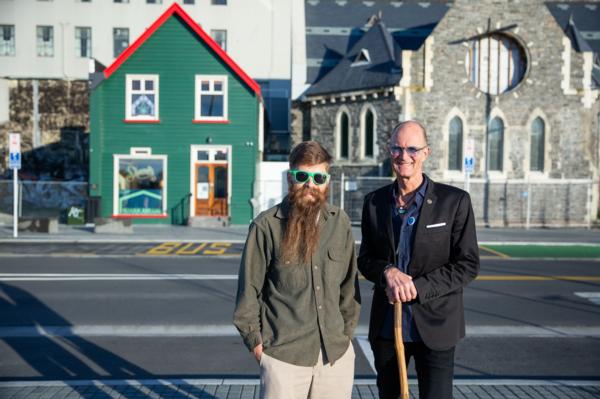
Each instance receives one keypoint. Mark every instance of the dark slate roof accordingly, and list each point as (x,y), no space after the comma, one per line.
(354,72)
(581,23)
(334,26)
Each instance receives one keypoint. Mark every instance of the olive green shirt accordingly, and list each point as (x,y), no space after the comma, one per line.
(294,309)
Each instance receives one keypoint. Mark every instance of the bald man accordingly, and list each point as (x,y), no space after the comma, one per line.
(419,247)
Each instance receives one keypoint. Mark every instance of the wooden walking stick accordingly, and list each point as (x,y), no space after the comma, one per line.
(399,343)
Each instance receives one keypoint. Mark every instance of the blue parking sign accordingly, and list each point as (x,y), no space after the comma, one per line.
(469,164)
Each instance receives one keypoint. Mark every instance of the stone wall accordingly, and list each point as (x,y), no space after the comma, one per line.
(63,117)
(323,119)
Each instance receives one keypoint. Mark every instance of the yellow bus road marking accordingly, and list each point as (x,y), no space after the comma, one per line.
(191,248)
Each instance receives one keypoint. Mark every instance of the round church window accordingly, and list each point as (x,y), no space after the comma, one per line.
(496,63)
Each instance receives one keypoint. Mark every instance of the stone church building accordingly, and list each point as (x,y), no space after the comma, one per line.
(515,84)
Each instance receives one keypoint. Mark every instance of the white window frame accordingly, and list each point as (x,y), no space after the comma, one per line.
(498,174)
(194,160)
(338,135)
(133,155)
(79,29)
(198,92)
(129,93)
(545,173)
(43,48)
(221,43)
(8,46)
(479,162)
(363,134)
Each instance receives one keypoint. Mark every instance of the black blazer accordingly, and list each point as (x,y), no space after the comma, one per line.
(445,258)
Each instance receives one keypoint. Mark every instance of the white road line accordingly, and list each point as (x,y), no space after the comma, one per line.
(110,277)
(593,297)
(253,381)
(227,330)
(534,331)
(181,331)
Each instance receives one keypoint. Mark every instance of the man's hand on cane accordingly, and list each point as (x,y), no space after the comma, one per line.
(399,286)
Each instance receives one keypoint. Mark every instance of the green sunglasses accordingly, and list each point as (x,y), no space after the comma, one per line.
(302,176)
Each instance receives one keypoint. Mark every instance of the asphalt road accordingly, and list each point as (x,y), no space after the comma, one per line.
(149,317)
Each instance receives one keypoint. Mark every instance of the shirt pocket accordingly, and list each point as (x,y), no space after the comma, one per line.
(334,268)
(288,277)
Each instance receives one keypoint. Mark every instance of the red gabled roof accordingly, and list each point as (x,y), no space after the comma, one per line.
(176,9)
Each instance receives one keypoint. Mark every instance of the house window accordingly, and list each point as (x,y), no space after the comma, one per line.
(188,1)
(153,1)
(536,152)
(121,1)
(496,63)
(83,42)
(140,185)
(211,98)
(120,40)
(7,40)
(455,144)
(368,134)
(218,2)
(45,41)
(496,145)
(142,98)
(220,36)
(343,136)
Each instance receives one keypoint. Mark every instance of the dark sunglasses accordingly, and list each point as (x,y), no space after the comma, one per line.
(302,176)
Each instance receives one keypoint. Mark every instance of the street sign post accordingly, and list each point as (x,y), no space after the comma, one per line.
(14,163)
(469,161)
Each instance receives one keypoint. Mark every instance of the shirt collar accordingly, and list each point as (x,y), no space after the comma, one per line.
(420,193)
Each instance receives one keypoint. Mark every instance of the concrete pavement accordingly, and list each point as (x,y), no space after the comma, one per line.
(248,389)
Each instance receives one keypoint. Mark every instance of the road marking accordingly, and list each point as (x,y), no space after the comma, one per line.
(110,277)
(593,297)
(495,252)
(536,278)
(227,330)
(256,381)
(190,248)
(188,276)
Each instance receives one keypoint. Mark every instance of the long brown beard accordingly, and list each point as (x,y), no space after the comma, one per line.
(301,234)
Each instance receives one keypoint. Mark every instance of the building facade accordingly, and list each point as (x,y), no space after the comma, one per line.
(175,129)
(47,47)
(514,84)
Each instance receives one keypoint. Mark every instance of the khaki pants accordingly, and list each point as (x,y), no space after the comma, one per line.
(281,380)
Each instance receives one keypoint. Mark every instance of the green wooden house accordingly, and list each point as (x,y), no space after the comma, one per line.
(175,129)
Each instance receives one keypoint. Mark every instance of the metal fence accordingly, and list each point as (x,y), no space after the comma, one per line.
(507,203)
(43,198)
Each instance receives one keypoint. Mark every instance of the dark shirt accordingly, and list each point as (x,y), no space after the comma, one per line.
(404,234)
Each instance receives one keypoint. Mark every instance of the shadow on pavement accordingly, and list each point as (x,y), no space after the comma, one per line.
(71,358)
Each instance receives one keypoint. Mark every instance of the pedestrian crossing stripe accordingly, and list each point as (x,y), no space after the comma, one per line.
(593,297)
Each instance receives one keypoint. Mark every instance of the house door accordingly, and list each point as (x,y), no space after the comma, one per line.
(211,189)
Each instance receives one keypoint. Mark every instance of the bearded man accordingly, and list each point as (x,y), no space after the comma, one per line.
(298,301)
